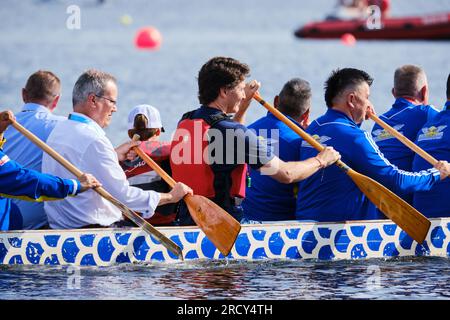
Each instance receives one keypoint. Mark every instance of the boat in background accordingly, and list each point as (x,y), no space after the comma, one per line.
(430,27)
(281,240)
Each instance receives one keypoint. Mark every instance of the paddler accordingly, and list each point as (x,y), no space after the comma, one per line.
(19,182)
(434,138)
(331,195)
(82,141)
(210,150)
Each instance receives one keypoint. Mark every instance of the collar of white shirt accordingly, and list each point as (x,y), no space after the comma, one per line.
(79,117)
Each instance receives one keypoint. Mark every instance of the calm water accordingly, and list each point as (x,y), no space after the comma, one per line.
(259,32)
(412,278)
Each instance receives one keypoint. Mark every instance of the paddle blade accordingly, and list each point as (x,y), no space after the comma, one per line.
(217,224)
(404,215)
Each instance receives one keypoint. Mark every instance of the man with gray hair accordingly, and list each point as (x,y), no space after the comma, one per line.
(82,141)
(408,114)
(40,95)
(267,199)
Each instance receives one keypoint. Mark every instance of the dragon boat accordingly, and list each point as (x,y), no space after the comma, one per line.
(281,240)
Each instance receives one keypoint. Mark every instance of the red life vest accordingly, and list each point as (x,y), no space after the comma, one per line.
(191,168)
(158,151)
(141,175)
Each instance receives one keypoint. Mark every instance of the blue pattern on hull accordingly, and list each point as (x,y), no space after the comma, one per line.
(122,238)
(70,250)
(242,244)
(34,252)
(51,240)
(105,249)
(276,243)
(325,253)
(299,241)
(406,241)
(141,248)
(390,250)
(325,233)
(88,260)
(438,237)
(3,252)
(208,248)
(390,229)
(341,241)
(358,231)
(374,240)
(309,242)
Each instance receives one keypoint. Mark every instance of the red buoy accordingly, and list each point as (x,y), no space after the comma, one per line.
(148,38)
(348,39)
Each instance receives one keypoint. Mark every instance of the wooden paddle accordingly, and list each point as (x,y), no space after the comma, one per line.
(404,140)
(130,214)
(405,216)
(217,224)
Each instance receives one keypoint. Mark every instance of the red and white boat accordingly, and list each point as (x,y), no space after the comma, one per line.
(430,27)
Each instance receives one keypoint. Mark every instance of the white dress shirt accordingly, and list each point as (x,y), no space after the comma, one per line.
(84,143)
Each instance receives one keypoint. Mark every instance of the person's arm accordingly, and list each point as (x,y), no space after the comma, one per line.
(250,89)
(294,171)
(368,160)
(6,118)
(101,157)
(17,181)
(176,194)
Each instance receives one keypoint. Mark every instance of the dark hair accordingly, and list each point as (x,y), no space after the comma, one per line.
(341,79)
(448,87)
(217,73)
(140,128)
(42,86)
(294,98)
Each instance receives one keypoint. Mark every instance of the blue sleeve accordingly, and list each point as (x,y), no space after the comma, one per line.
(431,113)
(19,182)
(368,160)
(257,150)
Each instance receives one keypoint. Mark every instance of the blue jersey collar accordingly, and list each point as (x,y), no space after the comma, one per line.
(402,103)
(336,114)
(27,107)
(272,116)
(79,117)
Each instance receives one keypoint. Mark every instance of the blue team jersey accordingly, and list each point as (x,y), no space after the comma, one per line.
(19,182)
(434,138)
(408,119)
(267,199)
(331,195)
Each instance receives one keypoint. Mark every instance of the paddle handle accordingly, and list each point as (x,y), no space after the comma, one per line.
(296,129)
(130,214)
(404,140)
(153,164)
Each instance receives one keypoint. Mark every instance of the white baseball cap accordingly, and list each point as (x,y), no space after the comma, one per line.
(150,112)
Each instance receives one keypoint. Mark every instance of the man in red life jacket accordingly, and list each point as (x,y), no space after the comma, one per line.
(145,121)
(210,150)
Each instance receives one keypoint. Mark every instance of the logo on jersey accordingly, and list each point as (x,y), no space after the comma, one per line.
(432,133)
(381,134)
(4,160)
(319,139)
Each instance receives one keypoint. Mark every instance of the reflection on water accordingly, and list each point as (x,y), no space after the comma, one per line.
(411,278)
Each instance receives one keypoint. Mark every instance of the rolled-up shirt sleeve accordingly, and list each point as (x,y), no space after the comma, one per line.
(101,160)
